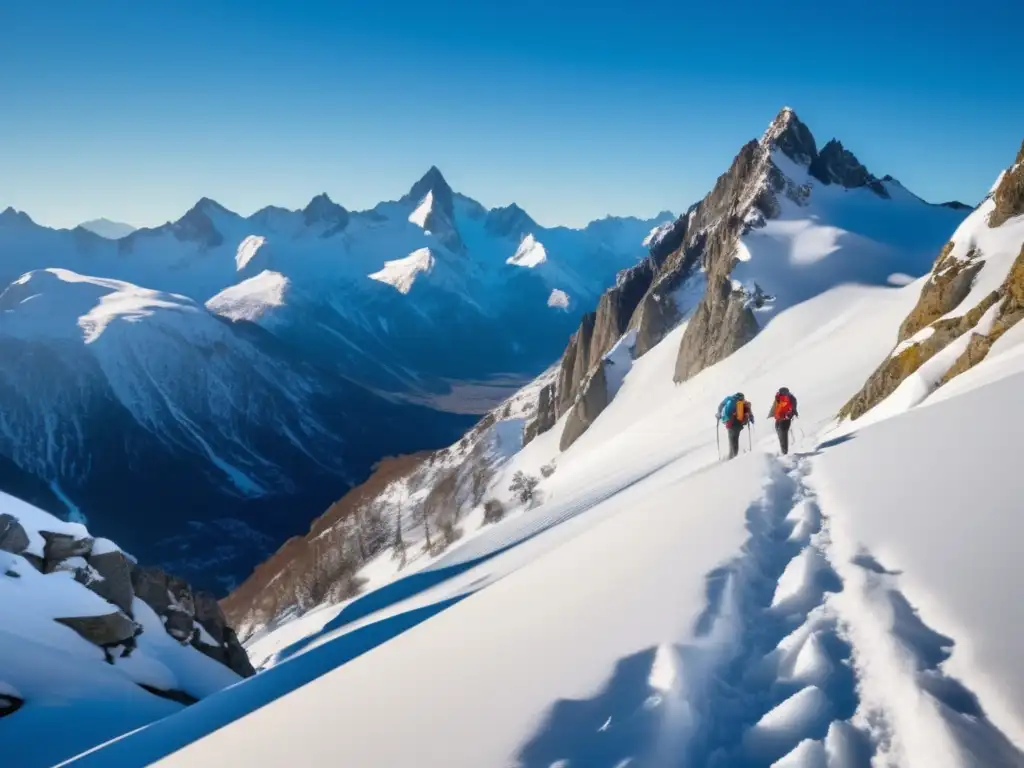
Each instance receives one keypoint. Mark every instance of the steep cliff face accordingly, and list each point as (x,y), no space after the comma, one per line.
(974,294)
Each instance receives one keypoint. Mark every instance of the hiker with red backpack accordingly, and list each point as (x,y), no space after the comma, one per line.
(736,413)
(783,411)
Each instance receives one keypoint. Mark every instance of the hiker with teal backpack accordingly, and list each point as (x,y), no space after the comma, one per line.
(735,412)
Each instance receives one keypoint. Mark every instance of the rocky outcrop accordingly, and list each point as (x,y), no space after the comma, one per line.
(1009,194)
(1011,311)
(99,566)
(546,415)
(510,221)
(949,285)
(106,631)
(115,582)
(575,363)
(927,330)
(722,324)
(61,546)
(892,372)
(837,165)
(322,210)
(592,400)
(13,537)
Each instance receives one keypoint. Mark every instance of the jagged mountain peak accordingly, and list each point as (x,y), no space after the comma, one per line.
(11,216)
(791,136)
(198,226)
(321,209)
(432,181)
(835,164)
(510,221)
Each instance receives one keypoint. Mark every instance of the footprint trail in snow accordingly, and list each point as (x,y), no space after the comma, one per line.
(807,655)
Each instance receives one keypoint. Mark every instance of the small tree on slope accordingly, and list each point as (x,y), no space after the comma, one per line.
(524,487)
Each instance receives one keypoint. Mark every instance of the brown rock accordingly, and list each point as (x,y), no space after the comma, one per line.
(721,325)
(61,546)
(1009,195)
(104,631)
(115,584)
(949,285)
(545,417)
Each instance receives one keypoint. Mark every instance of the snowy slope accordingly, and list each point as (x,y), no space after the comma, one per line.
(662,608)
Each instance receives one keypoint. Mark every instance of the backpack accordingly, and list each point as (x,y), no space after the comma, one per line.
(783,407)
(728,408)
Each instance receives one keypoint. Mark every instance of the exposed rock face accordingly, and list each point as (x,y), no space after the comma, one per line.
(322,210)
(13,537)
(575,363)
(891,373)
(546,415)
(593,399)
(61,546)
(115,582)
(105,631)
(721,325)
(953,276)
(510,221)
(792,137)
(195,226)
(1011,311)
(180,610)
(837,165)
(1009,195)
(950,283)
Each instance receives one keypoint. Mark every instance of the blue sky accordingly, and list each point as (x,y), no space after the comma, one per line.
(135,110)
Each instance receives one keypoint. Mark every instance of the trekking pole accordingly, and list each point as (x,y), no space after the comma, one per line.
(718,439)
(750,440)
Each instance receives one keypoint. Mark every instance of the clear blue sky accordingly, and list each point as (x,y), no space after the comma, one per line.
(134,110)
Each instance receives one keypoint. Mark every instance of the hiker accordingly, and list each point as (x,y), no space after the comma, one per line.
(783,411)
(736,413)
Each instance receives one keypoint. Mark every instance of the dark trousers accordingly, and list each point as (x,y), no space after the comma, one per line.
(734,430)
(782,430)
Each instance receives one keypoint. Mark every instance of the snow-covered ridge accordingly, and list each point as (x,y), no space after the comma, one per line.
(251,299)
(530,253)
(401,274)
(423,210)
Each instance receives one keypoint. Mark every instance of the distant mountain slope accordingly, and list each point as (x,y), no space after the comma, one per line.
(136,405)
(111,230)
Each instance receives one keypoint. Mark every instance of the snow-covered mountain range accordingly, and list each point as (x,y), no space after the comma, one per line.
(622,595)
(224,377)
